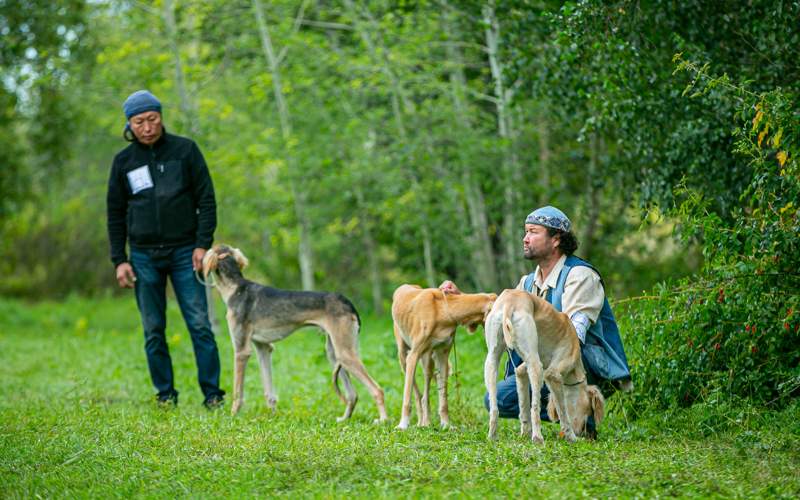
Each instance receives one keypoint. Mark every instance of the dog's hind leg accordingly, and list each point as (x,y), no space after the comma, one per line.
(535,375)
(411,368)
(264,353)
(351,397)
(344,337)
(402,353)
(424,415)
(494,351)
(524,399)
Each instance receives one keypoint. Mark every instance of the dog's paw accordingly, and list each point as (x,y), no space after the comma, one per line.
(567,436)
(537,439)
(272,401)
(380,421)
(403,425)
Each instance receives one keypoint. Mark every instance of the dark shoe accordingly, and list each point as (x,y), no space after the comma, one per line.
(591,429)
(214,403)
(167,401)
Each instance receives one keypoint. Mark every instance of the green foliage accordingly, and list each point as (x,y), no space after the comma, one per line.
(733,330)
(77,420)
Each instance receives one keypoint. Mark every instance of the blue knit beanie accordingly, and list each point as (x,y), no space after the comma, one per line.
(140,102)
(549,217)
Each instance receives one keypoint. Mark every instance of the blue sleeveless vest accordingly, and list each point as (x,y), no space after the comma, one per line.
(602,353)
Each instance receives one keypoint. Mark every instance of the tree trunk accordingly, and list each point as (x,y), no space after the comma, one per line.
(305,254)
(511,234)
(592,201)
(372,254)
(191,123)
(481,252)
(401,104)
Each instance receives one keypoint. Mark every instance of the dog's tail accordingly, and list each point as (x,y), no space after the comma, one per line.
(336,369)
(508,325)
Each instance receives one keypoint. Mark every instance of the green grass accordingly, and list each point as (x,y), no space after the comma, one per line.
(77,420)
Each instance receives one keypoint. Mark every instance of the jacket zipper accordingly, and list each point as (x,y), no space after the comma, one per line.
(155,193)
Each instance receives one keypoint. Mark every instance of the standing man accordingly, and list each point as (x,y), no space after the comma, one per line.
(161,201)
(572,286)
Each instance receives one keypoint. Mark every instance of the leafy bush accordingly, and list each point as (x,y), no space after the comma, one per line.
(732,330)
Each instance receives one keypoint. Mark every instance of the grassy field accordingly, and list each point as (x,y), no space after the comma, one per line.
(77,420)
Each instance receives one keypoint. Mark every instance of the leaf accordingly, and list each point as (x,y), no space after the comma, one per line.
(757,119)
(761,136)
(782,157)
(776,139)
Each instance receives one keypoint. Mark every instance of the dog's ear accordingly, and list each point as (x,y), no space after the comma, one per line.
(240,258)
(209,262)
(598,403)
(552,408)
(487,308)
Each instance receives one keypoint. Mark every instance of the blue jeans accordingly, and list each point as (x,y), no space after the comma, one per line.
(152,267)
(508,401)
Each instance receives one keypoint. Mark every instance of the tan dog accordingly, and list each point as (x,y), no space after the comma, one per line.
(425,322)
(543,337)
(263,315)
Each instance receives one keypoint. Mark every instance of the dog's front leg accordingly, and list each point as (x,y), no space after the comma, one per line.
(442,356)
(555,384)
(241,353)
(264,353)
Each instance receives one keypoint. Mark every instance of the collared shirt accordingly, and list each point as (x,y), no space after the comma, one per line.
(583,292)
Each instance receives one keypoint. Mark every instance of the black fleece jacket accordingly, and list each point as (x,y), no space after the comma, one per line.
(160,196)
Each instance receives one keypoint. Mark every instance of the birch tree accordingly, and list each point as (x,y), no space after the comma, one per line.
(299,197)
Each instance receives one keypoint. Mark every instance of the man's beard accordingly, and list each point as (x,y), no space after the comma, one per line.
(528,254)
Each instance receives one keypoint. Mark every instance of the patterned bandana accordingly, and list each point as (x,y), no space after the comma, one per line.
(549,217)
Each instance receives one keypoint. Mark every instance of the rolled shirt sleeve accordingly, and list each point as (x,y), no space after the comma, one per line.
(583,298)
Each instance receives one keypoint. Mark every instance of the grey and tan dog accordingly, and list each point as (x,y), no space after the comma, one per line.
(545,340)
(263,315)
(425,322)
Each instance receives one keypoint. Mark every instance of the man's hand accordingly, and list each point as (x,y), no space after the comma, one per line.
(197,258)
(449,288)
(125,276)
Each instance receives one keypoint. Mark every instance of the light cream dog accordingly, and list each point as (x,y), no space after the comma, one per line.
(425,322)
(543,338)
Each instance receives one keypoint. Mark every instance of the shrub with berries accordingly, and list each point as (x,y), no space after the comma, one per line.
(734,329)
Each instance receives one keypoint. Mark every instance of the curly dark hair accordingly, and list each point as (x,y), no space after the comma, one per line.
(567,241)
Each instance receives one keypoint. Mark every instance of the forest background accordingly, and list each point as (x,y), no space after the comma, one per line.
(357,145)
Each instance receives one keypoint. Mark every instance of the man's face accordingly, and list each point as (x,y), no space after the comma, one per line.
(537,243)
(147,127)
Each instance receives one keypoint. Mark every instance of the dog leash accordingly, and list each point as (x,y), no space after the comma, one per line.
(447,309)
(205,283)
